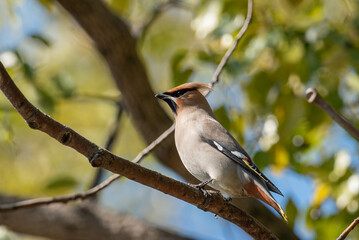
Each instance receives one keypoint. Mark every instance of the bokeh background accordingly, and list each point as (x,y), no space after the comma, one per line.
(290,45)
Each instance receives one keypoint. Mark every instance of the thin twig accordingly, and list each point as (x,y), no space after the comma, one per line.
(61,199)
(91,192)
(90,96)
(110,142)
(348,229)
(154,144)
(314,97)
(230,50)
(156,14)
(114,129)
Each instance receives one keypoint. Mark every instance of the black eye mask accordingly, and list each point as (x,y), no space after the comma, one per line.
(179,93)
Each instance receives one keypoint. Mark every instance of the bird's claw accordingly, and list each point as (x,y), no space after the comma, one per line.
(228,200)
(204,191)
(201,188)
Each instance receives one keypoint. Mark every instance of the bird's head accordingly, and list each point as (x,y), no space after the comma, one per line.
(186,95)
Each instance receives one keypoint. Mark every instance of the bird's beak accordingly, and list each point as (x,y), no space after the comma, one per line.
(169,100)
(162,96)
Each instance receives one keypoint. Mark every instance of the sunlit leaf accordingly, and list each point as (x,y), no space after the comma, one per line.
(281,159)
(322,191)
(47,3)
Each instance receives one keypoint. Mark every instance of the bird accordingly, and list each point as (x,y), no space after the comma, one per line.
(210,153)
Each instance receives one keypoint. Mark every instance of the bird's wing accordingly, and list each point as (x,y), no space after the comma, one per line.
(219,138)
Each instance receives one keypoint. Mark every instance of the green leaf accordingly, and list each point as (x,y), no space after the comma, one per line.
(291,211)
(41,39)
(180,74)
(64,85)
(222,116)
(61,182)
(29,71)
(261,159)
(120,6)
(46,100)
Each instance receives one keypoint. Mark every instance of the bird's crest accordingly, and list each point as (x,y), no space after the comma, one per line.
(203,88)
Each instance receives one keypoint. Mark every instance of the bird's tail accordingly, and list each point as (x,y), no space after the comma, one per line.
(280,211)
(258,191)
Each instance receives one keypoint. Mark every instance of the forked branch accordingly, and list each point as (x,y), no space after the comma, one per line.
(99,157)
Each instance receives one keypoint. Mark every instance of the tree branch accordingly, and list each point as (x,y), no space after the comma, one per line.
(154,144)
(85,221)
(230,50)
(314,97)
(100,157)
(348,229)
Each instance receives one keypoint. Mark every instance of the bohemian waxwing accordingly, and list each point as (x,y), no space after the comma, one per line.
(208,150)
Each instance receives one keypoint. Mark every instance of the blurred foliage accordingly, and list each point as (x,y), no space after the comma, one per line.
(290,45)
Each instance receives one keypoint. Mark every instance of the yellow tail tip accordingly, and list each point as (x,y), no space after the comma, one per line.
(282,213)
(284,216)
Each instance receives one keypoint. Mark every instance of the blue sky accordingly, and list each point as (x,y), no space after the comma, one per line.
(27,18)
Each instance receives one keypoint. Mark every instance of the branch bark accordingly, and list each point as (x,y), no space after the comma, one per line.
(348,229)
(100,157)
(314,97)
(86,221)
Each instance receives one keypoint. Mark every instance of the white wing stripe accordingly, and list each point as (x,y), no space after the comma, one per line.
(238,154)
(220,148)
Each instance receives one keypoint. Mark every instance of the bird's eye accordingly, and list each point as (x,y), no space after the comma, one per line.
(179,93)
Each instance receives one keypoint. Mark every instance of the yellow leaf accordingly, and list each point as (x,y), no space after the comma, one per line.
(281,157)
(321,193)
(47,3)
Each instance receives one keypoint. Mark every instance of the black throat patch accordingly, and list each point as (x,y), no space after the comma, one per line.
(172,105)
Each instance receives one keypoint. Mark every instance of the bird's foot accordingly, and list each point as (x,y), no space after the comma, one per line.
(202,184)
(227,199)
(204,191)
(201,188)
